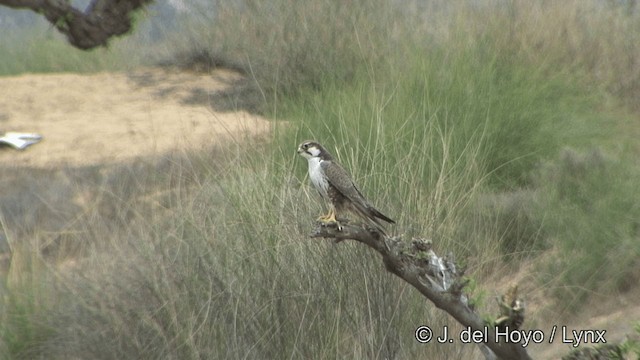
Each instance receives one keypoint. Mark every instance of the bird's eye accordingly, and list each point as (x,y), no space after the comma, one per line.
(305,146)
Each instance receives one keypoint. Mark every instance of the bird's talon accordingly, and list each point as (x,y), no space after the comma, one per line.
(330,222)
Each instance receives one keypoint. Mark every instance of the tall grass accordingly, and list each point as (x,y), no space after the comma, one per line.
(286,46)
(200,257)
(590,210)
(597,39)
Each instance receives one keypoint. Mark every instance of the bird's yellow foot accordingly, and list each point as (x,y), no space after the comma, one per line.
(330,219)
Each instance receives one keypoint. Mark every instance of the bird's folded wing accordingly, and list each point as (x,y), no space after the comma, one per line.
(341,180)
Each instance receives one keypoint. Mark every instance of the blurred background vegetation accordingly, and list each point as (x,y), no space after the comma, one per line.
(504,130)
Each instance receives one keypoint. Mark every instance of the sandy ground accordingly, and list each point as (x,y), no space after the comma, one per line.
(110,117)
(613,315)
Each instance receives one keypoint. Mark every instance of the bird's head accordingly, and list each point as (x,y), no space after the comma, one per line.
(310,149)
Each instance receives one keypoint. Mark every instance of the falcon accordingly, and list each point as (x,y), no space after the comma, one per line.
(335,186)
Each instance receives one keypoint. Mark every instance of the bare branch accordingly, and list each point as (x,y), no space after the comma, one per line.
(102,20)
(437,278)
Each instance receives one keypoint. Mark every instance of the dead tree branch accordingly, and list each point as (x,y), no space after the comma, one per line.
(437,278)
(102,20)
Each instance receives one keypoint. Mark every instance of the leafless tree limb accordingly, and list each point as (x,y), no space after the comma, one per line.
(437,278)
(102,20)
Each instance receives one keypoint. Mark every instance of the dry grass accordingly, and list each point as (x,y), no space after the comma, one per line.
(185,259)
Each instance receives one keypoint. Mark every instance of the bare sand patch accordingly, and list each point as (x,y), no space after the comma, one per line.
(110,117)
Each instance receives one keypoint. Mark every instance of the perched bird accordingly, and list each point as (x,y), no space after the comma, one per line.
(335,186)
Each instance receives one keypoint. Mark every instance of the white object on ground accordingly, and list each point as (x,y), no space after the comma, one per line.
(18,140)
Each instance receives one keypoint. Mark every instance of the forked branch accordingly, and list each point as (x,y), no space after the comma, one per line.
(437,278)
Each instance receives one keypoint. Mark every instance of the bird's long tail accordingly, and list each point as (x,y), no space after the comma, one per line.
(379,215)
(372,216)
